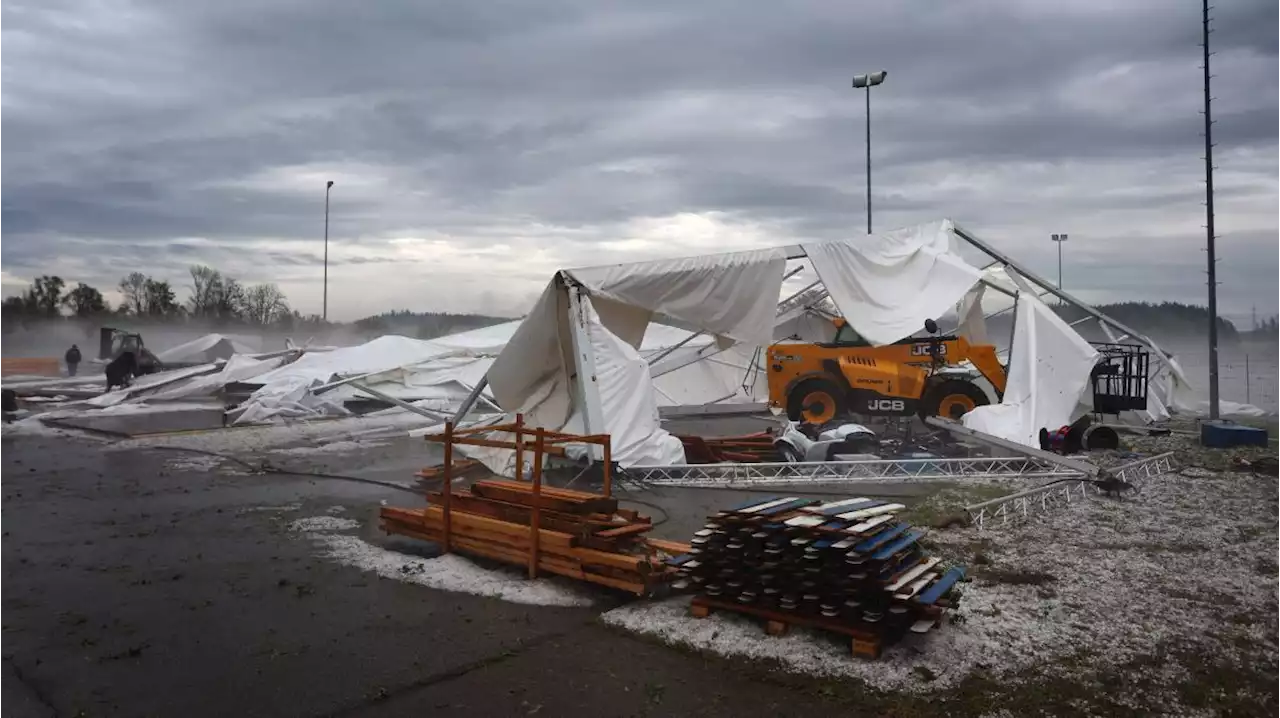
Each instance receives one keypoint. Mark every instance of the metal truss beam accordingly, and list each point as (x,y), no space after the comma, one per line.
(731,475)
(1006,509)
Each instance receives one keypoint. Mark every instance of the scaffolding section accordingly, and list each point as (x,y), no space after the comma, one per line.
(731,475)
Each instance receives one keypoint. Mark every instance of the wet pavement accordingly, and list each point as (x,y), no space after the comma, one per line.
(134,588)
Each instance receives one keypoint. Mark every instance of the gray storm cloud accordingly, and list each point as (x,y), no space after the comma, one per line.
(487,143)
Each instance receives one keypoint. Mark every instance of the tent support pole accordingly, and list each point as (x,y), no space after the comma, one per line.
(1057,292)
(470,401)
(584,360)
(432,415)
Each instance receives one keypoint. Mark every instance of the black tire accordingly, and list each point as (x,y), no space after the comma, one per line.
(950,395)
(833,404)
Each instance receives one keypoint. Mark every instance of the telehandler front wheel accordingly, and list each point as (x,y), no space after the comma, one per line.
(815,401)
(953,399)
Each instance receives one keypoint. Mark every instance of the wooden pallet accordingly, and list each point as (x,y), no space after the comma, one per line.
(865,643)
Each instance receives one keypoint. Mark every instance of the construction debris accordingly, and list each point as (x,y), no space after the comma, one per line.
(847,566)
(578,534)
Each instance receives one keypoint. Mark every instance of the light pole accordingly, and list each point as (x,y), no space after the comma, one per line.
(325,311)
(1059,239)
(869,81)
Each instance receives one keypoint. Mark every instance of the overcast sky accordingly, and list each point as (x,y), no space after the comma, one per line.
(478,146)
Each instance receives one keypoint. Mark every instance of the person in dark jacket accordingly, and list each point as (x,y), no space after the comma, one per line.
(121,370)
(73,359)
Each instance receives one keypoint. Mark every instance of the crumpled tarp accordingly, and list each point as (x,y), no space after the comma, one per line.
(1050,365)
(887,285)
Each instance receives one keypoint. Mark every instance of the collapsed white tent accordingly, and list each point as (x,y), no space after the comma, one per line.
(559,369)
(207,348)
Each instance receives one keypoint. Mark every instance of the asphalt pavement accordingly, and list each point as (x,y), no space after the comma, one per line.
(134,588)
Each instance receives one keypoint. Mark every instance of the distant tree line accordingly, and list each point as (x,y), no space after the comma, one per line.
(1266,329)
(1163,318)
(215,299)
(423,325)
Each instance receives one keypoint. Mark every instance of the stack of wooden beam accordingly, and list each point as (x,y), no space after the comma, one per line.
(570,533)
(847,566)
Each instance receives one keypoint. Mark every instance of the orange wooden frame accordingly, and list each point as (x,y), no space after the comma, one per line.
(543,444)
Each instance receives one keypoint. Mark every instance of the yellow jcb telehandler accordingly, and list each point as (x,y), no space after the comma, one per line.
(816,383)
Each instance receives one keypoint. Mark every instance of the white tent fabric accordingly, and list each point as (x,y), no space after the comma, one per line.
(238,368)
(973,323)
(207,348)
(733,295)
(886,285)
(630,416)
(1049,372)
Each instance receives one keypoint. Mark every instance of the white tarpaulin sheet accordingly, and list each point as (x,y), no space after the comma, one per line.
(628,400)
(205,349)
(886,285)
(733,295)
(1049,370)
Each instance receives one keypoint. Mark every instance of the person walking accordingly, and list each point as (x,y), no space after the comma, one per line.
(73,359)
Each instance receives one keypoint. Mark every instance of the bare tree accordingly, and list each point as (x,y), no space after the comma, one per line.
(134,289)
(206,291)
(265,304)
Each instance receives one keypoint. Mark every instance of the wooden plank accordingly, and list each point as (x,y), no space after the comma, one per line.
(897,545)
(447,485)
(675,548)
(834,507)
(914,587)
(576,524)
(607,487)
(526,487)
(882,538)
(621,531)
(553,541)
(912,574)
(790,506)
(549,500)
(874,511)
(547,563)
(943,585)
(869,524)
(923,625)
(538,447)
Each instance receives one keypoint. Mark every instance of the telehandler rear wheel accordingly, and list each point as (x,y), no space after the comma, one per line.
(953,399)
(815,401)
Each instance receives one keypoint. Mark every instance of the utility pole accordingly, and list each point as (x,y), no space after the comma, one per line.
(1208,211)
(325,311)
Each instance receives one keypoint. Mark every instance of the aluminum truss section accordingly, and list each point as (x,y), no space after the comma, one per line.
(732,475)
(1138,472)
(1001,511)
(1017,506)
